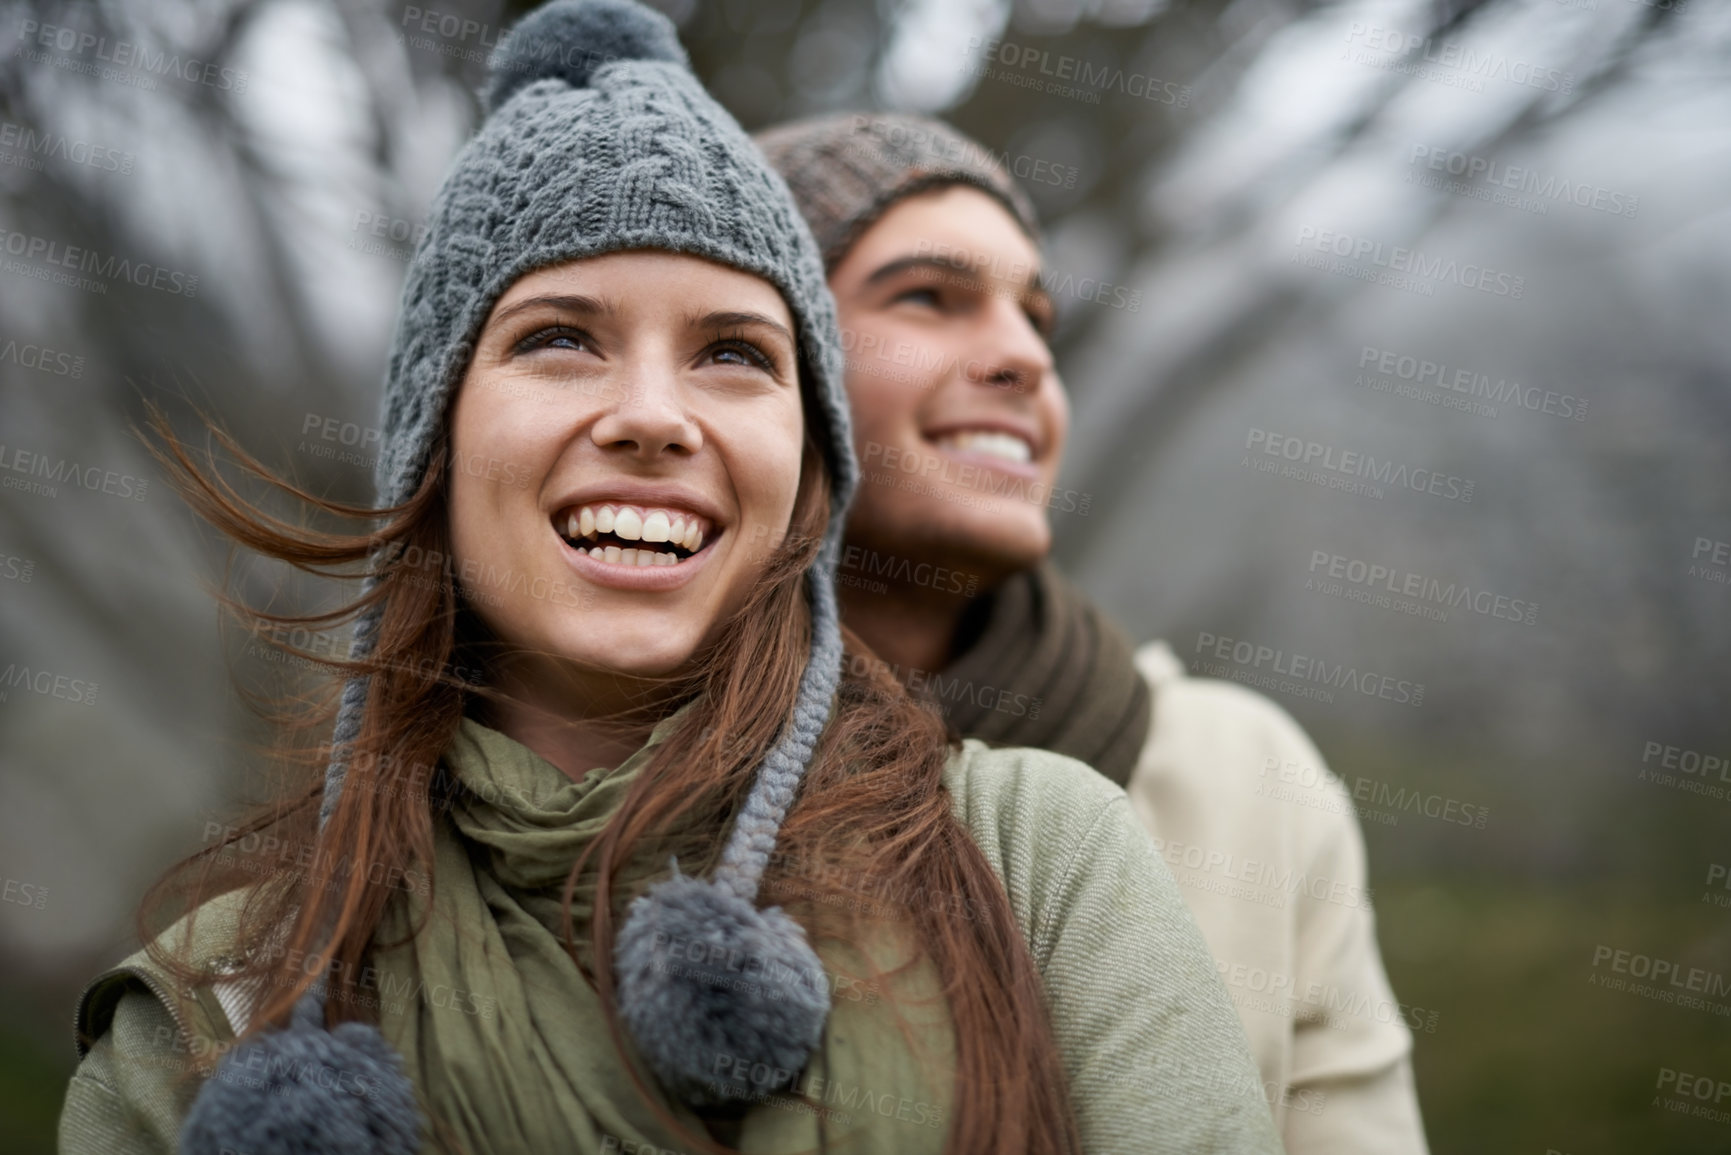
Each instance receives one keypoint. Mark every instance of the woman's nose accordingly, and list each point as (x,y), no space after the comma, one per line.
(648,417)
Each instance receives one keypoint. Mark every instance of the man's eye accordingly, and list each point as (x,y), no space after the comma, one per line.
(920,296)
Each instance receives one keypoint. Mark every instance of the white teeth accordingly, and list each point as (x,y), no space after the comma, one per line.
(992,443)
(655,525)
(630,557)
(628,524)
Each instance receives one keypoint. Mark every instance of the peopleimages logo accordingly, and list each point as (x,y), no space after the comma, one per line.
(882,464)
(24,894)
(40,37)
(1454,387)
(1484,177)
(1279,882)
(1689,1094)
(33,147)
(1413,52)
(1308,785)
(1430,597)
(16,676)
(1349,469)
(1717,567)
(1069,76)
(93,477)
(862,564)
(56,255)
(947,148)
(43,359)
(1396,259)
(984,267)
(1683,985)
(382,235)
(1266,667)
(1286,994)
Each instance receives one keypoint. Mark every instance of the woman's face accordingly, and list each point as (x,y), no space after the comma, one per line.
(626,448)
(959,417)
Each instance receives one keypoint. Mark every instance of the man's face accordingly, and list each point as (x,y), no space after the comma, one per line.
(959,417)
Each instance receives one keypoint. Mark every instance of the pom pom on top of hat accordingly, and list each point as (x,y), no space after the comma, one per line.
(570,39)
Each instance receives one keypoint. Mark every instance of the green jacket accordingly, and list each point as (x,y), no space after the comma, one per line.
(1156,1059)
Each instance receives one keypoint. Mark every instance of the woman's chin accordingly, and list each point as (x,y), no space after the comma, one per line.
(649,654)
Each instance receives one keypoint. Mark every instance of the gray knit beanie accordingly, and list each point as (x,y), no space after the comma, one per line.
(597,139)
(847,169)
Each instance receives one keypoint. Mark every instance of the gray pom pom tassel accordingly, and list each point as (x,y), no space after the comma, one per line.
(724,1000)
(307,1091)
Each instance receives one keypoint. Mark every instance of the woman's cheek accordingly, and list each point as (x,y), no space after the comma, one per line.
(768,484)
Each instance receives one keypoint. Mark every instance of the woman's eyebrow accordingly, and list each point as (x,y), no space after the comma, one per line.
(733,318)
(589,306)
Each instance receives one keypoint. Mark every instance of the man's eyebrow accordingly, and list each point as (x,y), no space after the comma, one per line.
(949,268)
(590,306)
(735,318)
(903,264)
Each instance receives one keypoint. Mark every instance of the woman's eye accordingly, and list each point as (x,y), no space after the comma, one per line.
(554,337)
(743,354)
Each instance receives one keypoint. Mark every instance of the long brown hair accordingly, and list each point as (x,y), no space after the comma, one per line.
(872,798)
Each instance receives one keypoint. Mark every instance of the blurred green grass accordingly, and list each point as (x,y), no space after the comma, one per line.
(36,1060)
(1527,1055)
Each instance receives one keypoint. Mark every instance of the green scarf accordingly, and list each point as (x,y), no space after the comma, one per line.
(1040,665)
(508,1044)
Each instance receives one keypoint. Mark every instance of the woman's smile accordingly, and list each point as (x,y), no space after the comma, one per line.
(636,541)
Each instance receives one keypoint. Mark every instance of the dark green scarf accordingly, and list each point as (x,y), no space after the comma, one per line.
(508,1044)
(1041,666)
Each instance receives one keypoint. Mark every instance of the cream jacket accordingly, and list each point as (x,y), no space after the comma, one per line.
(1265,845)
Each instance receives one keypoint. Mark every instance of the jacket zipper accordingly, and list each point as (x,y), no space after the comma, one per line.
(163,994)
